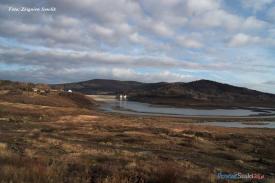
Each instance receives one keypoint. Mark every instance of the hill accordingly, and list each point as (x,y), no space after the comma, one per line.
(100,86)
(20,92)
(201,93)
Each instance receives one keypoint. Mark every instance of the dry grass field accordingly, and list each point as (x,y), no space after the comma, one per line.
(64,138)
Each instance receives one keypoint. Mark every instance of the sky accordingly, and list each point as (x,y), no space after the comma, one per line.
(229,41)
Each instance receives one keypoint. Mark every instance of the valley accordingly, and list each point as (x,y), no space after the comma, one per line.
(66,137)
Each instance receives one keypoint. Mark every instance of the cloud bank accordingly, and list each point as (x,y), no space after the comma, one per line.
(149,41)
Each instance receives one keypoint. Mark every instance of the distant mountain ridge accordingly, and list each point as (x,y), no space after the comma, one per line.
(100,86)
(201,93)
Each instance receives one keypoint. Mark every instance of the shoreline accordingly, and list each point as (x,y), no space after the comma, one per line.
(131,113)
(103,99)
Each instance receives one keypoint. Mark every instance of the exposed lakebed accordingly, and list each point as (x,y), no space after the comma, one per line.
(239,124)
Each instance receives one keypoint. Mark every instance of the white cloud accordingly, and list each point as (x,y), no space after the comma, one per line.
(130,74)
(223,19)
(196,7)
(189,42)
(137,38)
(102,31)
(256,5)
(136,35)
(70,75)
(217,18)
(243,39)
(66,21)
(253,23)
(161,28)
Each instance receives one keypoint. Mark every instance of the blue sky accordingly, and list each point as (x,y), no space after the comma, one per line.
(229,41)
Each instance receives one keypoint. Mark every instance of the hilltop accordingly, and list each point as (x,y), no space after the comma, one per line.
(101,86)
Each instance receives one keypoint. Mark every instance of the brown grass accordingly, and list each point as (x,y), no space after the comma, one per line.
(71,144)
(62,99)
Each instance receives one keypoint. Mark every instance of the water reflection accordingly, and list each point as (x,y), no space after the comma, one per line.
(123,104)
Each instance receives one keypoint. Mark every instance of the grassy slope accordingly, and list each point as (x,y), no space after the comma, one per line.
(62,99)
(202,93)
(54,140)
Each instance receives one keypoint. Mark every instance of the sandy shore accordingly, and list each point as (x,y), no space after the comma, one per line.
(103,98)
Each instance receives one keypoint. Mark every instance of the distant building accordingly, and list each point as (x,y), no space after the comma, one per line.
(125,97)
(120,97)
(35,90)
(42,92)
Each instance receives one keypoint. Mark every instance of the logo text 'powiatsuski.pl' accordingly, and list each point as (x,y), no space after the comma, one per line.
(238,175)
(32,9)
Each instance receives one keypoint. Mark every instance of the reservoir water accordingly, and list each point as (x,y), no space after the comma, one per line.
(111,104)
(132,107)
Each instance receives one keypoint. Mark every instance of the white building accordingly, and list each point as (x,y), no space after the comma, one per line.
(35,90)
(70,91)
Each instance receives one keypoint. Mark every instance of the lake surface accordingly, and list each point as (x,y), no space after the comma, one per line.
(131,107)
(111,104)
